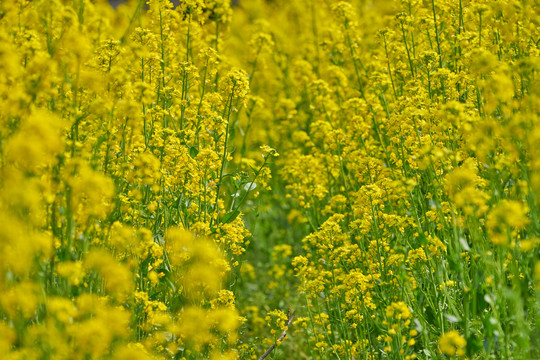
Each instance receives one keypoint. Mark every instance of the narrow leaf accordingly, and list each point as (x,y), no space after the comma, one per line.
(230,216)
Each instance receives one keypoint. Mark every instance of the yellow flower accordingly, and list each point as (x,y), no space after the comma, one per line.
(117,278)
(268,151)
(71,270)
(507,215)
(398,310)
(91,193)
(452,343)
(37,143)
(197,262)
(236,83)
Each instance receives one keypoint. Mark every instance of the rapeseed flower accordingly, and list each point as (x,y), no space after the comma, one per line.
(452,343)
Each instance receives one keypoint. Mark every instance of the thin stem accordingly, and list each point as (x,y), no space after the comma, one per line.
(437,34)
(224,156)
(283,334)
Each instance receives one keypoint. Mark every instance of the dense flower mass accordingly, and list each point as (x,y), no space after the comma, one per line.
(209,179)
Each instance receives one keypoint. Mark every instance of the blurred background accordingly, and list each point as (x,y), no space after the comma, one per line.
(115,3)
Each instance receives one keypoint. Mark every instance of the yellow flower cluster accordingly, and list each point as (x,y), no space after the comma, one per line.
(407,132)
(119,224)
(174,175)
(452,343)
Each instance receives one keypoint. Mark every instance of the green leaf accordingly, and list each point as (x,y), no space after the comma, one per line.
(230,216)
(256,171)
(193,151)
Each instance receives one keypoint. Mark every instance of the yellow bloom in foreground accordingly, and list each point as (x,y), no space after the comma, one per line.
(198,263)
(37,143)
(118,279)
(452,343)
(507,215)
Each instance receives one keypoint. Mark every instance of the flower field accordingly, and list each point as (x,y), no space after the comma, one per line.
(279,179)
